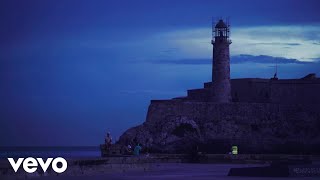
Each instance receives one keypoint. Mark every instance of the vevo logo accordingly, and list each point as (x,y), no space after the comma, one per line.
(30,164)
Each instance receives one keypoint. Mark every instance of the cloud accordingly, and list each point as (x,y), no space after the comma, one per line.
(242,58)
(277,43)
(264,59)
(148,91)
(291,42)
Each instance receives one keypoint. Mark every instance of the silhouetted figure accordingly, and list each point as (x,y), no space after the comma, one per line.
(195,154)
(108,140)
(137,150)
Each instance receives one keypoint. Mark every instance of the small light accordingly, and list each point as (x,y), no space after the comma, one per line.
(234,149)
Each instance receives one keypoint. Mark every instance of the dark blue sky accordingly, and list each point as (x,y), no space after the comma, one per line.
(71,70)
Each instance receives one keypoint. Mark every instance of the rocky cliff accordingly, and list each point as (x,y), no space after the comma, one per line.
(179,126)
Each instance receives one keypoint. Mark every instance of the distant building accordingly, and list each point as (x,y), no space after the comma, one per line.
(283,91)
(274,90)
(257,115)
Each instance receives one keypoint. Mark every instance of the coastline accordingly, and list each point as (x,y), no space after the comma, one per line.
(158,166)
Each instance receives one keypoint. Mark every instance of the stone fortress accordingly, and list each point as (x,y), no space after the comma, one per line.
(258,115)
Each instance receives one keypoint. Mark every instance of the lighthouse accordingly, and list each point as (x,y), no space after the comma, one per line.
(221,89)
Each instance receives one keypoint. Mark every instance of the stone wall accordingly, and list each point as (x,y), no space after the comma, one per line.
(179,126)
(255,90)
(201,95)
(296,91)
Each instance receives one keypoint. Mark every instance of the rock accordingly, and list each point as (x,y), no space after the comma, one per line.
(177,126)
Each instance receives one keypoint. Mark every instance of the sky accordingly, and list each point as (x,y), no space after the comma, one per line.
(71,70)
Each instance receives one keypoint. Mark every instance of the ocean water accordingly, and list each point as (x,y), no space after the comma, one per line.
(45,152)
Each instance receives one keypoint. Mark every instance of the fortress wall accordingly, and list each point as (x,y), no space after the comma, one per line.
(295,92)
(242,90)
(209,111)
(253,126)
(260,114)
(246,90)
(201,95)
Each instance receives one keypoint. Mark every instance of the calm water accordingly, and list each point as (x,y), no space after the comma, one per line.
(44,152)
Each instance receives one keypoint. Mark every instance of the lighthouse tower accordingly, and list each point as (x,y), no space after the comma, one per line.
(221,89)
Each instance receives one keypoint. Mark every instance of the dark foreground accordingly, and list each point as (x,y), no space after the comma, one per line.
(178,166)
(175,171)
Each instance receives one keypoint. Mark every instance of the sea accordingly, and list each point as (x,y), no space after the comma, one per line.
(46,152)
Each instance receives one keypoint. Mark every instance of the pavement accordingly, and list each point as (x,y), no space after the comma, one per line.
(176,171)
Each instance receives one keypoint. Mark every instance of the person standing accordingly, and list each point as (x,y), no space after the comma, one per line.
(137,150)
(108,140)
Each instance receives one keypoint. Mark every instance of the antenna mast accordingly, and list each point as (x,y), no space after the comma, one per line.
(275,76)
